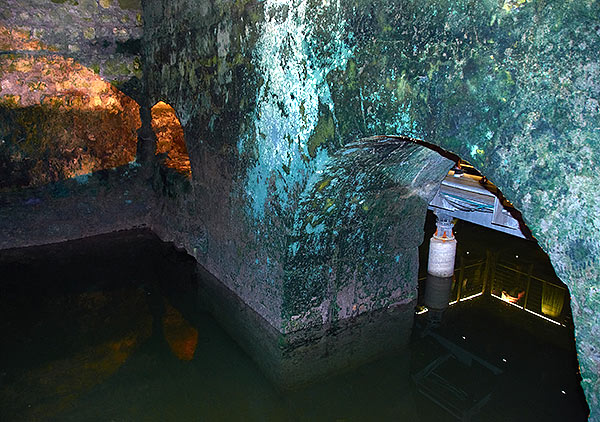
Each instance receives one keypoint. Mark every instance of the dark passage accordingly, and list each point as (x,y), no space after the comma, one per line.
(110,328)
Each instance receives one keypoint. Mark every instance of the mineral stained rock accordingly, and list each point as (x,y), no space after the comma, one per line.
(268,92)
(293,203)
(61,112)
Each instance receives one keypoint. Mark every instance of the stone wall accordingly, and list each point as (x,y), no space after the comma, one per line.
(268,92)
(88,205)
(353,244)
(61,113)
(271,206)
(273,96)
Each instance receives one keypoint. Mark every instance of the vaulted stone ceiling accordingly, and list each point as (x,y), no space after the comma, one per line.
(270,90)
(270,93)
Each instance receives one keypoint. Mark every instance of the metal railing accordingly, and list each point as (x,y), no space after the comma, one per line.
(513,283)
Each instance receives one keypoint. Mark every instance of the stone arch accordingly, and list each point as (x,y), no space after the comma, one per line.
(517,99)
(353,248)
(170,140)
(359,223)
(550,296)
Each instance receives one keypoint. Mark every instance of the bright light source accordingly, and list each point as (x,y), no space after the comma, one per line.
(467,252)
(170,138)
(563,391)
(471,297)
(517,256)
(546,318)
(505,300)
(531,312)
(464,338)
(503,360)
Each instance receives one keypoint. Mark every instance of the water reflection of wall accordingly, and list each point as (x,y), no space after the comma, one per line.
(181,336)
(79,342)
(305,356)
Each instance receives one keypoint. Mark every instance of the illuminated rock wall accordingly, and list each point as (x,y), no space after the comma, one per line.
(270,92)
(169,138)
(102,35)
(274,211)
(61,113)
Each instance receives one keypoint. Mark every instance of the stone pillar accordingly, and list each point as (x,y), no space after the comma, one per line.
(146,147)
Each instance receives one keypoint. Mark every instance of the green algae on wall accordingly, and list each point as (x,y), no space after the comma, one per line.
(293,97)
(353,248)
(212,83)
(511,86)
(130,4)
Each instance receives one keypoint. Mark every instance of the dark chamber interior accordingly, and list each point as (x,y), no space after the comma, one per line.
(111,328)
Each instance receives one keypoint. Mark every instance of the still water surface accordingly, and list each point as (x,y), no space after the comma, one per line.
(108,329)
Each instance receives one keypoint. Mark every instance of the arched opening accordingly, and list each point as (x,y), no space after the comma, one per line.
(503,307)
(474,202)
(170,140)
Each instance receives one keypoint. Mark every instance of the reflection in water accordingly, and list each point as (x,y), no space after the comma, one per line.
(181,336)
(53,388)
(44,389)
(437,297)
(458,381)
(74,355)
(305,356)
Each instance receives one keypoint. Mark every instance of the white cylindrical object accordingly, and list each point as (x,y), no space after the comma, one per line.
(437,292)
(441,257)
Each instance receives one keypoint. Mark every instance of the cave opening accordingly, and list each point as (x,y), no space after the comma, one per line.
(502,313)
(170,141)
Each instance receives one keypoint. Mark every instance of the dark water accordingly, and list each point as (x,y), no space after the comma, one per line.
(109,329)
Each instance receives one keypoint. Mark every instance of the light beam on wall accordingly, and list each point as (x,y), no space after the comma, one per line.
(170,139)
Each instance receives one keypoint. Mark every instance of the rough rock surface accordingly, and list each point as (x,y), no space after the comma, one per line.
(103,35)
(353,243)
(87,205)
(268,91)
(60,63)
(272,94)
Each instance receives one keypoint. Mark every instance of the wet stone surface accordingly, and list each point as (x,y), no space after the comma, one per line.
(273,90)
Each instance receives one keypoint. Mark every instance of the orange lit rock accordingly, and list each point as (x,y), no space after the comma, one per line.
(16,39)
(181,336)
(61,120)
(170,140)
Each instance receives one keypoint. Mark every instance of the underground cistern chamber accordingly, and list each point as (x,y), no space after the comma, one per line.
(295,210)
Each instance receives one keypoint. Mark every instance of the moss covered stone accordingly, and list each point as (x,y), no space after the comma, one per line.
(269,93)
